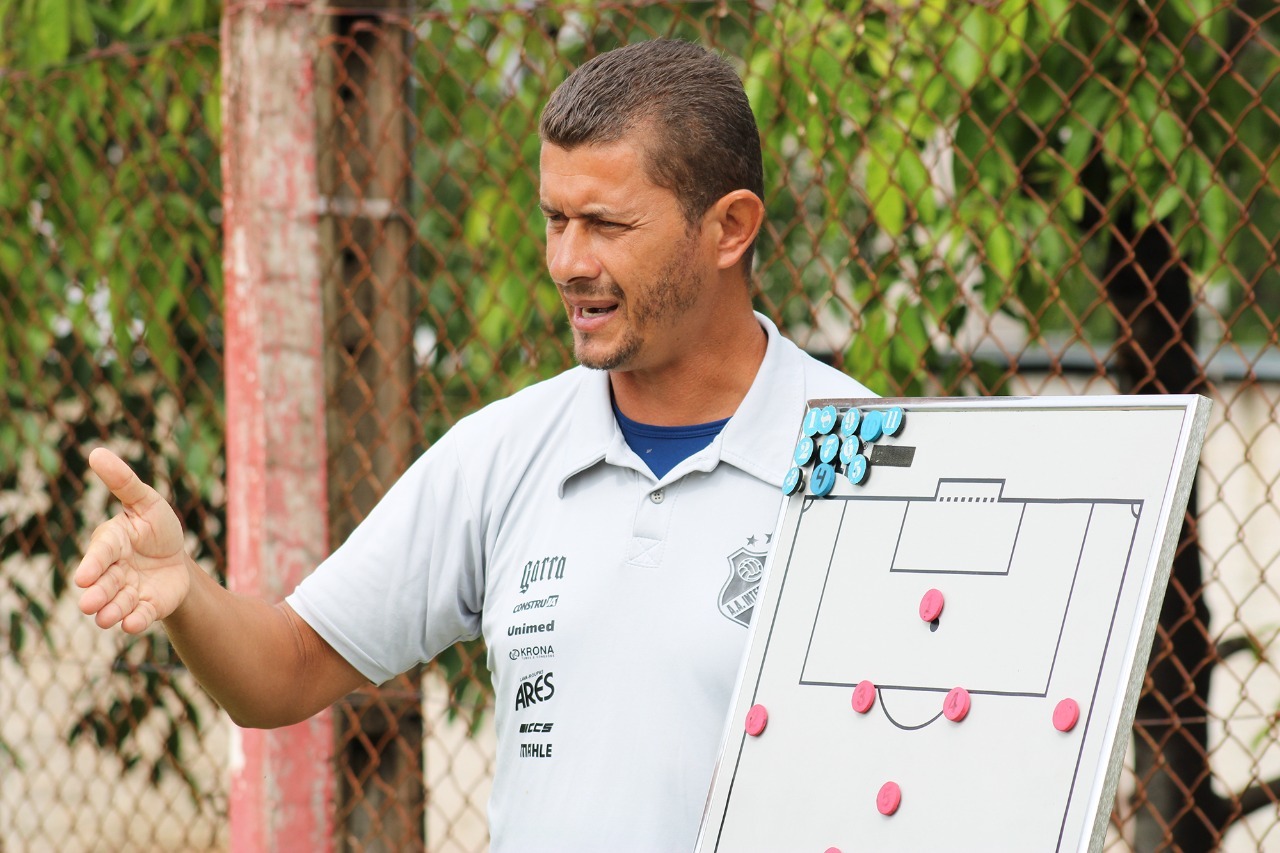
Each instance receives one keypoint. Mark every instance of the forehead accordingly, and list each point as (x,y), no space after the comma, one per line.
(612,174)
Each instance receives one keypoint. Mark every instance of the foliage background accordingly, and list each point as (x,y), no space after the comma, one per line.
(956,191)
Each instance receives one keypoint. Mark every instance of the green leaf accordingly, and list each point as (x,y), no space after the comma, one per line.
(7,11)
(1073,202)
(106,18)
(135,13)
(1095,105)
(966,54)
(8,751)
(815,132)
(1166,132)
(1194,12)
(17,634)
(1000,251)
(47,458)
(827,68)
(478,221)
(1114,142)
(1055,13)
(81,22)
(178,113)
(936,91)
(1166,202)
(932,12)
(1216,212)
(916,184)
(10,260)
(888,205)
(853,101)
(879,50)
(53,31)
(911,327)
(212,110)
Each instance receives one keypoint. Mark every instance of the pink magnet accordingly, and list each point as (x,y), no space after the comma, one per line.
(833,850)
(889,798)
(1066,715)
(864,696)
(757,719)
(956,706)
(931,605)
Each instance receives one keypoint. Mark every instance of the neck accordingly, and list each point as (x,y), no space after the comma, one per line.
(706,384)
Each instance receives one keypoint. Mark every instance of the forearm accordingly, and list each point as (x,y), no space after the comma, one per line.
(260,662)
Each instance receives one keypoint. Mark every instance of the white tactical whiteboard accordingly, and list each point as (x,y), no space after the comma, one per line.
(947,654)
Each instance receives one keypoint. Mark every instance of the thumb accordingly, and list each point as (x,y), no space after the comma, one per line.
(122,481)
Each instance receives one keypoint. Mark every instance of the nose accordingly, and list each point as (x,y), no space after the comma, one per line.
(570,254)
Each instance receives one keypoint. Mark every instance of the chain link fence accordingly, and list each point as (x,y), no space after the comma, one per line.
(110,333)
(1031,197)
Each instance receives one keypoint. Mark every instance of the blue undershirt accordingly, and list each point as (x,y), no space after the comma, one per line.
(664,447)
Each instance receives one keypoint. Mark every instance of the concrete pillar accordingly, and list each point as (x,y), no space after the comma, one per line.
(282,781)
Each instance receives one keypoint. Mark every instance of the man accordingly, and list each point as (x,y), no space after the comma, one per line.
(603,530)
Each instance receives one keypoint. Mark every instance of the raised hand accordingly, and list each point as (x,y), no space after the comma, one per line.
(135,569)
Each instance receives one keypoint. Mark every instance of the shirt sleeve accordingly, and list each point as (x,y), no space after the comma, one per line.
(409,582)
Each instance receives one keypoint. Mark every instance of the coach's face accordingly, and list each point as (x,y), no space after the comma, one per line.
(634,278)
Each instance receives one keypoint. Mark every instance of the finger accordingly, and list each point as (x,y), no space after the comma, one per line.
(140,619)
(120,606)
(102,590)
(108,544)
(136,495)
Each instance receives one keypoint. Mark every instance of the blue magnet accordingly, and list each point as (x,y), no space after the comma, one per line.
(810,427)
(828,448)
(856,470)
(849,425)
(792,482)
(827,419)
(872,425)
(849,449)
(892,420)
(824,477)
(804,451)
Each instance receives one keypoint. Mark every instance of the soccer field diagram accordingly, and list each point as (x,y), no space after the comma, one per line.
(947,652)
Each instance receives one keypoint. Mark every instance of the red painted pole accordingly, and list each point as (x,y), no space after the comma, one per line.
(282,785)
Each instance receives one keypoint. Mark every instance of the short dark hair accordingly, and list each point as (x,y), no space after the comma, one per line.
(702,141)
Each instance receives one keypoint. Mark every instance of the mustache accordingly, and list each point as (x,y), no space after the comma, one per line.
(591,291)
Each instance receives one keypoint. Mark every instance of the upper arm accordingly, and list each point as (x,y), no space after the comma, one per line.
(409,580)
(328,676)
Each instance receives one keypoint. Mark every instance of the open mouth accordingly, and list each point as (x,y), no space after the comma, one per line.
(590,310)
(590,314)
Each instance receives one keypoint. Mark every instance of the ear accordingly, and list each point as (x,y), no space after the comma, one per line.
(735,220)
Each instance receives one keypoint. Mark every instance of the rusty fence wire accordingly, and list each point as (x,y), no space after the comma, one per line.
(1016,197)
(110,333)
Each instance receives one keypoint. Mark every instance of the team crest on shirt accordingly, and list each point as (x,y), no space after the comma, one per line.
(739,593)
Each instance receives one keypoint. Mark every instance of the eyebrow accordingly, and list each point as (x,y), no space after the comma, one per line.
(596,212)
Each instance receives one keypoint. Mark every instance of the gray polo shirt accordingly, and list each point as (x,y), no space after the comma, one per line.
(614,605)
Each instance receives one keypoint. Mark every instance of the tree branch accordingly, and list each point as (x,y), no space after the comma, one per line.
(1255,797)
(1232,645)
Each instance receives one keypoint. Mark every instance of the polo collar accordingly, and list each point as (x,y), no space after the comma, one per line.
(755,440)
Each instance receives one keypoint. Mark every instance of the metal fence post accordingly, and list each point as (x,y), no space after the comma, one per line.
(282,782)
(365,170)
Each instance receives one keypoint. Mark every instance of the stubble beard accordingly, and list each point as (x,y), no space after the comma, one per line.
(673,292)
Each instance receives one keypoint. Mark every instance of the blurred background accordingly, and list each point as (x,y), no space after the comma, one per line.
(965,198)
